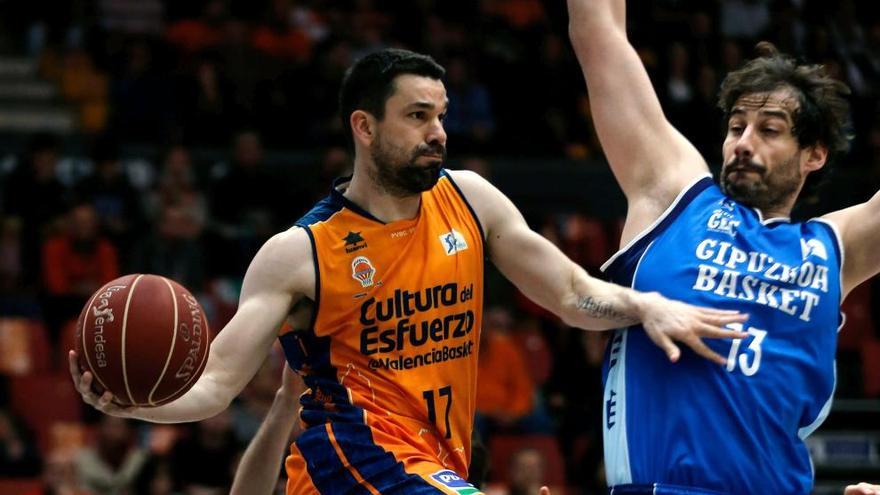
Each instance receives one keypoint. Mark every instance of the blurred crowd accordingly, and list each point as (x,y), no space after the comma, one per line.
(247,78)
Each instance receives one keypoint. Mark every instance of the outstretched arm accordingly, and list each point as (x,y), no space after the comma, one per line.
(279,275)
(257,473)
(859,228)
(862,489)
(651,160)
(545,275)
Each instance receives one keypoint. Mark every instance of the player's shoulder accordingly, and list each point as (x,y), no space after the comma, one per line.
(287,258)
(477,191)
(487,202)
(467,179)
(292,244)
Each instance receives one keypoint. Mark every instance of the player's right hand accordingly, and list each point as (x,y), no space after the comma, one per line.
(666,321)
(862,489)
(83,384)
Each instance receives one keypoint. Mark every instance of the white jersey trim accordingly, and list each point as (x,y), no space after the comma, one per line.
(656,222)
(839,239)
(618,470)
(808,430)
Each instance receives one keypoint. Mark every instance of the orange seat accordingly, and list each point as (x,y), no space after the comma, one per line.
(24,346)
(42,400)
(20,486)
(502,448)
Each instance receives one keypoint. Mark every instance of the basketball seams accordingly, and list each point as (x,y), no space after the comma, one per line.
(201,367)
(143,320)
(124,328)
(173,342)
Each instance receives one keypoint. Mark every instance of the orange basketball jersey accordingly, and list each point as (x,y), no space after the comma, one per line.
(391,356)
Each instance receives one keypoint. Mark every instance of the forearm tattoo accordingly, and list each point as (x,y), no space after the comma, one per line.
(602,309)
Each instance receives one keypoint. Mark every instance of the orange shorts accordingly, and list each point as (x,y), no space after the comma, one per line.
(352,458)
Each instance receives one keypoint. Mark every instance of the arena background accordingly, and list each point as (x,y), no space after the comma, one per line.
(175,137)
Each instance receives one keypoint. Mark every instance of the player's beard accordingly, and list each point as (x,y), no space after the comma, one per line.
(397,171)
(766,189)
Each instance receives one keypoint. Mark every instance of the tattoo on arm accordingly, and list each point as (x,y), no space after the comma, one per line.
(602,309)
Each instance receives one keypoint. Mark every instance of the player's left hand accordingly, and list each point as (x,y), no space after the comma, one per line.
(666,321)
(862,489)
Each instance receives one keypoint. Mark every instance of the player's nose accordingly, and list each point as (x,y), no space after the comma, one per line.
(436,133)
(745,144)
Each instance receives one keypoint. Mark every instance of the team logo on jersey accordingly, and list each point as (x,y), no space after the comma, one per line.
(453,242)
(362,270)
(723,221)
(354,242)
(813,247)
(451,480)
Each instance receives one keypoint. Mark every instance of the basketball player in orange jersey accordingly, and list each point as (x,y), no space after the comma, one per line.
(382,281)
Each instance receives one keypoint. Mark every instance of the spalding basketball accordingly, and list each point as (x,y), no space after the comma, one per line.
(144,338)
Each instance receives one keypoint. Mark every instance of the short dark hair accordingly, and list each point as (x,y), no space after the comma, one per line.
(823,109)
(369,83)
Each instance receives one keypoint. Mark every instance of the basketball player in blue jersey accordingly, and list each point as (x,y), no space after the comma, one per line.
(739,428)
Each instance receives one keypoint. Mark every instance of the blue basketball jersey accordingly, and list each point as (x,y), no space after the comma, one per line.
(738,428)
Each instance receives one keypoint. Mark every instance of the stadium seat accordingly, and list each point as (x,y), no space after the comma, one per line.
(42,400)
(20,486)
(24,346)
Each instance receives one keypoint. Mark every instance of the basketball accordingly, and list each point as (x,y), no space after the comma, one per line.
(144,338)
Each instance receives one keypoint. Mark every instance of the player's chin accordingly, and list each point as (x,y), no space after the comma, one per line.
(430,162)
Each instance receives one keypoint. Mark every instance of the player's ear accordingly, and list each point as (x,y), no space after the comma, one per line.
(816,156)
(363,126)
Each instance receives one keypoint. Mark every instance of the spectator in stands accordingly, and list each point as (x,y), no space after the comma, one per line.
(204,462)
(60,477)
(192,36)
(206,104)
(155,478)
(469,118)
(10,255)
(526,472)
(278,37)
(504,388)
(140,96)
(246,203)
(34,195)
(178,186)
(76,262)
(173,249)
(114,198)
(18,453)
(110,466)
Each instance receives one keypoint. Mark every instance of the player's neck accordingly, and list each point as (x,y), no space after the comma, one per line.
(782,210)
(387,208)
(770,213)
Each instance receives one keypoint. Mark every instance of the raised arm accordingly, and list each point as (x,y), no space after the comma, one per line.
(651,160)
(859,228)
(545,275)
(280,274)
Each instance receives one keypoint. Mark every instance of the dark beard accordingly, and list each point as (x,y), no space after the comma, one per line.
(770,191)
(402,177)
